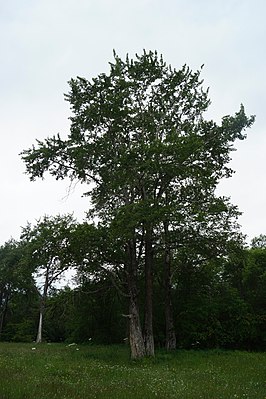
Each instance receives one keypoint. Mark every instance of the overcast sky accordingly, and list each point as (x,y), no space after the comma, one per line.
(44,43)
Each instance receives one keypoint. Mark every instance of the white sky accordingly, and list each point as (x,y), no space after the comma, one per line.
(44,43)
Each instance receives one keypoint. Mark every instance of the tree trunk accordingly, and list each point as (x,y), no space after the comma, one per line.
(137,347)
(39,334)
(148,322)
(42,307)
(40,325)
(136,341)
(170,336)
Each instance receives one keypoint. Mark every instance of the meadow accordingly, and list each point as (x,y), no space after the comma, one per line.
(53,371)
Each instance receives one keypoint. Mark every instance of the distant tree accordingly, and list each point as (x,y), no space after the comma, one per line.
(48,245)
(254,280)
(60,315)
(245,272)
(15,276)
(89,313)
(138,134)
(259,242)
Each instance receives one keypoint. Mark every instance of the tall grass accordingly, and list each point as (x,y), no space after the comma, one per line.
(76,372)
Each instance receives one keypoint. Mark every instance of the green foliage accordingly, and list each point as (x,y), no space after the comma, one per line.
(259,242)
(22,331)
(91,313)
(48,244)
(14,272)
(16,287)
(254,286)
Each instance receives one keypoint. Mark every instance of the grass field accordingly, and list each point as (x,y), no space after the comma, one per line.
(58,371)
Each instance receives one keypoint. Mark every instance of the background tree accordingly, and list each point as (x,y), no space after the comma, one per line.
(139,135)
(259,242)
(254,286)
(15,276)
(48,245)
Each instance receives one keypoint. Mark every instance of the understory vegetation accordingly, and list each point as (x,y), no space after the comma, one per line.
(59,371)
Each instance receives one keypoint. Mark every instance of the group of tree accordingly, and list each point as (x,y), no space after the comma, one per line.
(217,302)
(165,244)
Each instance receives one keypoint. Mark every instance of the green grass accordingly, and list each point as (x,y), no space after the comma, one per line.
(58,371)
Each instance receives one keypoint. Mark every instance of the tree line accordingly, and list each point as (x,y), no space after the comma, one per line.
(219,302)
(164,240)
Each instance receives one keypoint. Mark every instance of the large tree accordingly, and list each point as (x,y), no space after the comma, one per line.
(139,139)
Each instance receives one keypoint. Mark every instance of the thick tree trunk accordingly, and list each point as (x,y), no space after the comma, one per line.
(170,336)
(148,321)
(137,347)
(136,341)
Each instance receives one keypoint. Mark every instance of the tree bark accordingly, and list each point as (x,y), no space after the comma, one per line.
(136,341)
(170,336)
(148,321)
